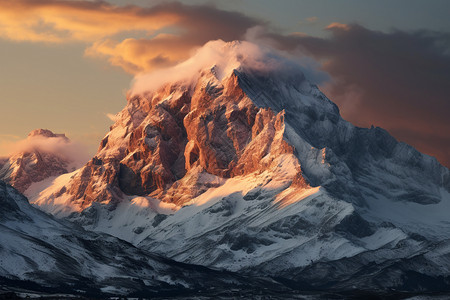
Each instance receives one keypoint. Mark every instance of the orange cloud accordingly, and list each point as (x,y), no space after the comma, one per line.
(63,21)
(163,34)
(339,26)
(196,26)
(140,55)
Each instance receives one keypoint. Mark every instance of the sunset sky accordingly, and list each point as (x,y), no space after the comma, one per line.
(67,65)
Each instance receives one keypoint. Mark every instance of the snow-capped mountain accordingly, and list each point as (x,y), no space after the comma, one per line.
(39,252)
(36,159)
(240,163)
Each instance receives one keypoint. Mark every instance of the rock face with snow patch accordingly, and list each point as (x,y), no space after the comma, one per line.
(248,166)
(164,139)
(35,163)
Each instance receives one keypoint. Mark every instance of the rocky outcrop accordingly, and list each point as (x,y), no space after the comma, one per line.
(35,162)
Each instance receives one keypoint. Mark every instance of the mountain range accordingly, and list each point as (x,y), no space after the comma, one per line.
(236,163)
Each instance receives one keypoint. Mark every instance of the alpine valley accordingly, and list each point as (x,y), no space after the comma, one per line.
(236,169)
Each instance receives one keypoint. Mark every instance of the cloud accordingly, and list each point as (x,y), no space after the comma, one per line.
(312,19)
(226,57)
(59,145)
(397,80)
(338,26)
(167,32)
(141,55)
(112,117)
(196,25)
(64,21)
(309,21)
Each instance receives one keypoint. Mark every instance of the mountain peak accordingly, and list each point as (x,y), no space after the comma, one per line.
(46,134)
(41,155)
(221,59)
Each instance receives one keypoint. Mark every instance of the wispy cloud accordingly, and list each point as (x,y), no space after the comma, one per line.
(112,117)
(73,152)
(309,21)
(227,57)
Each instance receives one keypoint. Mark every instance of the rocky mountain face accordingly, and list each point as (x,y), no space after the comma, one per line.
(34,163)
(164,141)
(41,253)
(250,168)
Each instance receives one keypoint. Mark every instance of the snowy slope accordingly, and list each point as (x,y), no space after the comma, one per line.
(247,166)
(60,256)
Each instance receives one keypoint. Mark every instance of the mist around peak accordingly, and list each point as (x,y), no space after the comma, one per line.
(226,57)
(45,141)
